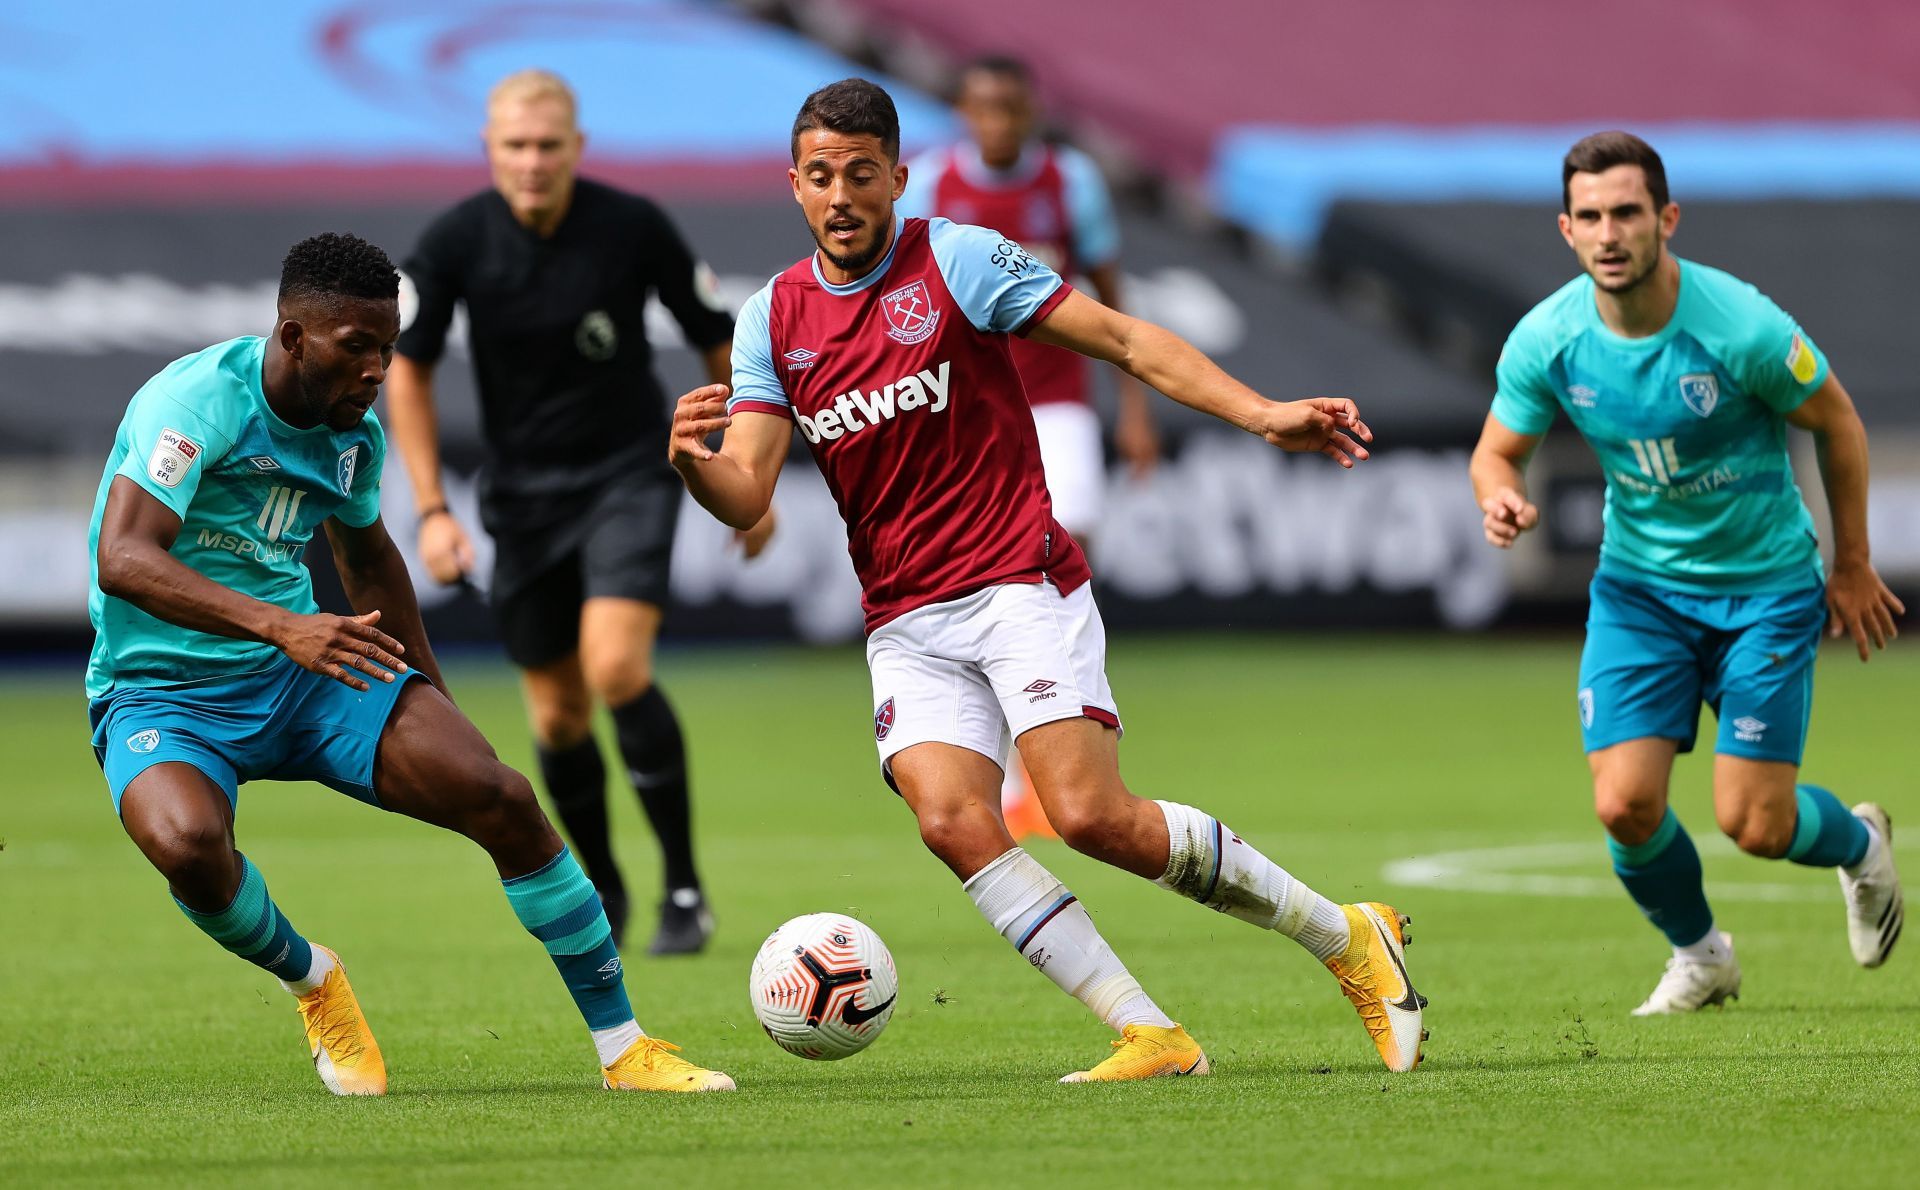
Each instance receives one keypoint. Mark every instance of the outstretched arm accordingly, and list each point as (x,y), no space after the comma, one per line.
(734,483)
(135,564)
(1499,470)
(376,581)
(1860,604)
(1163,360)
(1134,437)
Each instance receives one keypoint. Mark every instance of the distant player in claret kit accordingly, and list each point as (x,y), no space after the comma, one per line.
(212,666)
(1710,587)
(1051,200)
(888,349)
(555,272)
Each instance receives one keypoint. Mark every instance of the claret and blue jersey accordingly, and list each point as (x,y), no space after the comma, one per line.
(1689,424)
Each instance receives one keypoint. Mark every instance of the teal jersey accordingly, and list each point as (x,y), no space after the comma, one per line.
(249,489)
(1689,425)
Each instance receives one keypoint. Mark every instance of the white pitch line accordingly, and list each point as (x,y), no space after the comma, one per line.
(1503,870)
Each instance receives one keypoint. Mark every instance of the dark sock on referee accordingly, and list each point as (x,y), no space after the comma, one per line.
(576,781)
(656,757)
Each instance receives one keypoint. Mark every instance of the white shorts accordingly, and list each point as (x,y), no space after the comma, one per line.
(1076,471)
(976,672)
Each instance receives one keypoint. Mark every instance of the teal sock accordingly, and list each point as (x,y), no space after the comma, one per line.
(254,928)
(1663,877)
(1826,835)
(558,906)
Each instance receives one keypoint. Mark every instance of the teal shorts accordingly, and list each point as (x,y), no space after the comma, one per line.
(282,723)
(1654,656)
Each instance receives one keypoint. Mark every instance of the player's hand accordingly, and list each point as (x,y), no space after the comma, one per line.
(1860,606)
(445,548)
(1508,514)
(1325,425)
(341,647)
(753,540)
(1136,440)
(695,416)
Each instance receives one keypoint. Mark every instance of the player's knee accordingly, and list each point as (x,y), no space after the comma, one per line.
(959,836)
(1766,836)
(561,723)
(618,680)
(502,809)
(195,855)
(1088,827)
(1629,815)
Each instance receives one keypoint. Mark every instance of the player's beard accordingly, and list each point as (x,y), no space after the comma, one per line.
(1638,279)
(853,262)
(320,398)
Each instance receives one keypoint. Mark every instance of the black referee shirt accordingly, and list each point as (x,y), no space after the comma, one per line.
(557,331)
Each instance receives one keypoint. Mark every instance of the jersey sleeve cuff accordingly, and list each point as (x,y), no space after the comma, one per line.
(759,405)
(1045,308)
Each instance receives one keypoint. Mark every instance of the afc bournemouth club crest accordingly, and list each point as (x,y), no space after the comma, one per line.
(909,312)
(349,459)
(883,720)
(1701,392)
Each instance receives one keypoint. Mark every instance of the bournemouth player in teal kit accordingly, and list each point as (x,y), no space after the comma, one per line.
(212,666)
(1710,587)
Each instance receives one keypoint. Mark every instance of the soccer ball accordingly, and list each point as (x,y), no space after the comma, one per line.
(823,986)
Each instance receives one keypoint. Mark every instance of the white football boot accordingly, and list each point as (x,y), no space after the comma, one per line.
(1689,985)
(1875,907)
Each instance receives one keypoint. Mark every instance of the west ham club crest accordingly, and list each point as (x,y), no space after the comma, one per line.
(909,311)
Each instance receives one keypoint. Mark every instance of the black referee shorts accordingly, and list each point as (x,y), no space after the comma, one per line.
(621,542)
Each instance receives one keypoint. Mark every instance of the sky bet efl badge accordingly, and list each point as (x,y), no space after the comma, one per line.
(909,312)
(172,455)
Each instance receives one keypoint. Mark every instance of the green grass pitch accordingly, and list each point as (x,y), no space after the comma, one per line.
(132,1049)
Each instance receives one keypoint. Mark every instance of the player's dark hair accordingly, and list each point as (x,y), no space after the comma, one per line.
(1604,150)
(853,106)
(1004,65)
(335,264)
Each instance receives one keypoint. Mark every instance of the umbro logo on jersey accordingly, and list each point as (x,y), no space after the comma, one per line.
(264,463)
(909,312)
(1043,688)
(855,410)
(800,358)
(1583,397)
(1748,730)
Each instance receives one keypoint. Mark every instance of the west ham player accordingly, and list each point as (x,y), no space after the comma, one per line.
(1051,200)
(213,667)
(555,272)
(1684,380)
(888,348)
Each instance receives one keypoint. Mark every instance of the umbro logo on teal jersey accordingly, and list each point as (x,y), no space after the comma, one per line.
(264,463)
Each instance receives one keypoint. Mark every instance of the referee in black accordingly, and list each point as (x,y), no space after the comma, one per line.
(576,492)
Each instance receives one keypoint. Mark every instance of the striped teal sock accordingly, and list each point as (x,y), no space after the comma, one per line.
(1826,835)
(558,906)
(254,928)
(1663,877)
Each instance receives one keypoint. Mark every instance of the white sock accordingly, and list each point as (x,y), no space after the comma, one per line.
(611,1043)
(1210,864)
(1051,929)
(316,974)
(1715,948)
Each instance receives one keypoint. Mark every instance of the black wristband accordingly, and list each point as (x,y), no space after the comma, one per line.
(437,510)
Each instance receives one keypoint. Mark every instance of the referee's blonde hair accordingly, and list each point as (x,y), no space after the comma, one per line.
(527,85)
